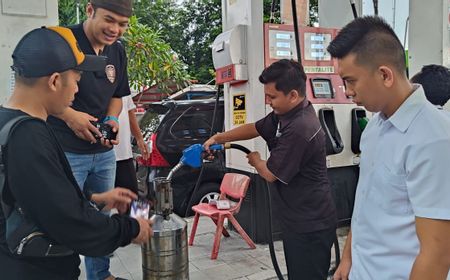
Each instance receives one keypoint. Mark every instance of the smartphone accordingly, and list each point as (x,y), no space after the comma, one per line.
(140,209)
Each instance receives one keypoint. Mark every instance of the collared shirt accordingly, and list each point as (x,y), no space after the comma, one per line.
(297,158)
(404,173)
(95,91)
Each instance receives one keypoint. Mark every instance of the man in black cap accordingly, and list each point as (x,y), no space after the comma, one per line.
(39,188)
(93,161)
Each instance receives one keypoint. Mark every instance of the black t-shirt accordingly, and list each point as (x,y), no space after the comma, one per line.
(95,92)
(296,143)
(41,182)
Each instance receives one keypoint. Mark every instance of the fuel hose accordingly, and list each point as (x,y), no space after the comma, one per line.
(269,203)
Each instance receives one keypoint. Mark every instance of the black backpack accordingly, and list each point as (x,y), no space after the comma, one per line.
(23,237)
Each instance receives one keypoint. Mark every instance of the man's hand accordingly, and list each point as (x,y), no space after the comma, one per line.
(208,153)
(143,148)
(115,128)
(209,142)
(254,158)
(145,231)
(81,125)
(343,270)
(118,198)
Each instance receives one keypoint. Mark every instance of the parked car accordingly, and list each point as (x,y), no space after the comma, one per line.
(171,126)
(194,91)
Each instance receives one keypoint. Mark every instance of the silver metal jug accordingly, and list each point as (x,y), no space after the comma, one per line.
(165,256)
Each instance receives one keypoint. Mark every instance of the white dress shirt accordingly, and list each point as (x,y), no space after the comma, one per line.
(404,173)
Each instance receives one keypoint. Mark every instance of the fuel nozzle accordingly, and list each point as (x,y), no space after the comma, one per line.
(193,157)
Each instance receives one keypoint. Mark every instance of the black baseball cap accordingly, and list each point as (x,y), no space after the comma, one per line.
(121,7)
(46,50)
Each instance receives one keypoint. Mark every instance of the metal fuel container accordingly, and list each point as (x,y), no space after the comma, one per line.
(165,256)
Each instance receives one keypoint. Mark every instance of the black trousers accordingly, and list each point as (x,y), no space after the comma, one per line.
(126,175)
(308,254)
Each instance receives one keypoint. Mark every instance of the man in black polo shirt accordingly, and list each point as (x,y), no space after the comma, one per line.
(99,99)
(296,167)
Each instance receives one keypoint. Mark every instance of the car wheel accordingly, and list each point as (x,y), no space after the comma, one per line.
(209,196)
(204,194)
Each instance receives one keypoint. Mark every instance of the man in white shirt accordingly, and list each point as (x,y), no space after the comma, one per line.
(401,219)
(125,170)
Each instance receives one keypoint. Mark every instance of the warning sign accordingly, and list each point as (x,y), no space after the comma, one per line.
(239,113)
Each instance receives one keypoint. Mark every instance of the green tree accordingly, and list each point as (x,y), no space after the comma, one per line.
(313,12)
(190,27)
(151,61)
(267,7)
(67,10)
(159,15)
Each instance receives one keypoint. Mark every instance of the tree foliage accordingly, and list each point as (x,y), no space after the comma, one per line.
(67,10)
(201,24)
(267,10)
(151,61)
(189,27)
(313,12)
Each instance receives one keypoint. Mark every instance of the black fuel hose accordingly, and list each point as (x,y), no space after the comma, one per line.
(269,203)
(240,148)
(355,13)
(271,247)
(296,32)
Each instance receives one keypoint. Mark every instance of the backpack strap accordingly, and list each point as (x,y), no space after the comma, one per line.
(5,133)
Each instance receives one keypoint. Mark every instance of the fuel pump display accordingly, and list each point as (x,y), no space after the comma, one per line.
(315,46)
(322,88)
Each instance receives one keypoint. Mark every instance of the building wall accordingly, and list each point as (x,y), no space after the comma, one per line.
(17,17)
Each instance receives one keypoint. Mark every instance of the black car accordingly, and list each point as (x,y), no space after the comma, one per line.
(171,126)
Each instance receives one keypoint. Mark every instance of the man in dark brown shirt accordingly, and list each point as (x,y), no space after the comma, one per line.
(296,168)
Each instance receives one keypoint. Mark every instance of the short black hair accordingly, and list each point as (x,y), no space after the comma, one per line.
(287,75)
(24,80)
(435,80)
(373,42)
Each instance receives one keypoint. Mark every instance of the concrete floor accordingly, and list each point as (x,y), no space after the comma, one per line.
(235,261)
